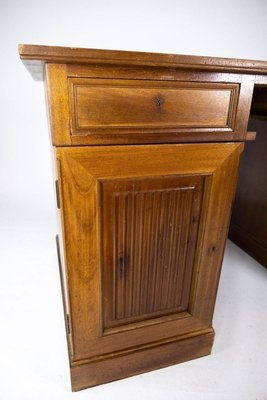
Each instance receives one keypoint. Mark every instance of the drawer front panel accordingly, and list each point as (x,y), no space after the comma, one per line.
(101,106)
(123,106)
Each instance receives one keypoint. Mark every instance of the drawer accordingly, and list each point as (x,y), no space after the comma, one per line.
(109,105)
(119,110)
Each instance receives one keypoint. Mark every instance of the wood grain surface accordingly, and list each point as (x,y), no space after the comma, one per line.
(34,57)
(148,149)
(120,103)
(89,178)
(133,107)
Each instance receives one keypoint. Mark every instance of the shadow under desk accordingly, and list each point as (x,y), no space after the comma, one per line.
(248,228)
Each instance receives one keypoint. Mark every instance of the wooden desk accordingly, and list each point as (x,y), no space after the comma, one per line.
(147,149)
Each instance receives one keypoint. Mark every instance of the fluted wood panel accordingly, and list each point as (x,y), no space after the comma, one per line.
(150,247)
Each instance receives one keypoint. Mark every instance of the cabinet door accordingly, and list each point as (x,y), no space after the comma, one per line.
(144,235)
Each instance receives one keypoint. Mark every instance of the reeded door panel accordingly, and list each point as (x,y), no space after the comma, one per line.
(149,236)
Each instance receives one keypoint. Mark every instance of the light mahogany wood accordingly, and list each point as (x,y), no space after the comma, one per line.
(122,103)
(89,179)
(149,222)
(153,109)
(34,57)
(148,149)
(158,355)
(251,135)
(58,109)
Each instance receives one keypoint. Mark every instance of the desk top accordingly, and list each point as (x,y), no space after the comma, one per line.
(35,56)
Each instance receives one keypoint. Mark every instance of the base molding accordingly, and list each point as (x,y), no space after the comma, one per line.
(184,349)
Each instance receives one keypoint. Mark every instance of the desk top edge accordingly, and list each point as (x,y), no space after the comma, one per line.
(35,56)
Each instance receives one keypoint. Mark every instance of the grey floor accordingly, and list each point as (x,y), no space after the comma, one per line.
(34,364)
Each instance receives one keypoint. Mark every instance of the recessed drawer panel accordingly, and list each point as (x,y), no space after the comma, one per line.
(109,105)
(123,106)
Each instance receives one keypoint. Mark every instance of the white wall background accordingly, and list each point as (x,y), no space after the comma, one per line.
(30,294)
(229,28)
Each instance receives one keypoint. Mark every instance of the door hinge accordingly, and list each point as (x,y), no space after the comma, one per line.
(68,324)
(57,194)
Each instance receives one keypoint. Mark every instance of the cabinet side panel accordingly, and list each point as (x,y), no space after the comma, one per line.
(211,249)
(79,210)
